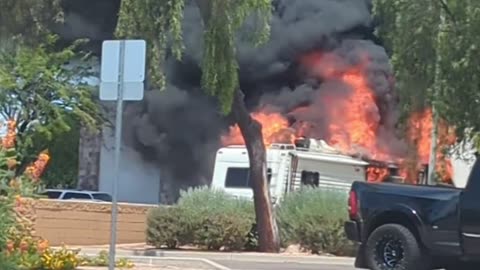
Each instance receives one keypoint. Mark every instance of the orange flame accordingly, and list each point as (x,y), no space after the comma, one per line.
(375,174)
(275,129)
(358,127)
(353,120)
(419,133)
(354,117)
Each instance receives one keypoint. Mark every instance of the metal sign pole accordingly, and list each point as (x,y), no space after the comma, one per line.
(118,140)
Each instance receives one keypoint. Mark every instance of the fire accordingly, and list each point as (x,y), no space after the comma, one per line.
(353,114)
(419,133)
(352,119)
(358,126)
(375,174)
(275,129)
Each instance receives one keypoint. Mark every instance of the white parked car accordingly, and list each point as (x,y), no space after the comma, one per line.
(65,194)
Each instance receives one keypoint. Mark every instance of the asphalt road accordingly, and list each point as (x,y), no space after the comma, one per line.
(250,265)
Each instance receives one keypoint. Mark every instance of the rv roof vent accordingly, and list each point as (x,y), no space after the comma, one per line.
(282,146)
(236,146)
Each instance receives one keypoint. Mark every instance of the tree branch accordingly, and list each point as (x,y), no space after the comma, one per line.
(205,9)
(448,11)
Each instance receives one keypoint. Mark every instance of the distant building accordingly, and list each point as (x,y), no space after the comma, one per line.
(139,180)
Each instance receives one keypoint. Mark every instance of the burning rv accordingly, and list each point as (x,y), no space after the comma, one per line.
(391,172)
(307,162)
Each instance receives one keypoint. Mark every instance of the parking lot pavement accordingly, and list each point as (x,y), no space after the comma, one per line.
(251,265)
(230,261)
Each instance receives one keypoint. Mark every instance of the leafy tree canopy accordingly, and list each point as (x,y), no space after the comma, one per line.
(160,23)
(40,90)
(62,170)
(30,19)
(430,54)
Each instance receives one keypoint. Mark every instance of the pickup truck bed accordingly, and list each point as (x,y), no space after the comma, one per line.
(403,226)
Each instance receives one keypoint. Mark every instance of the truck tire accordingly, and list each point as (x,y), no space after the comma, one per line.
(394,247)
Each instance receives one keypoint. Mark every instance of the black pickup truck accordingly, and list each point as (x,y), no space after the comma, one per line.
(408,227)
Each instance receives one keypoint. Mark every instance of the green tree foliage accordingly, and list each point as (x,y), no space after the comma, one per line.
(62,170)
(459,100)
(26,35)
(30,19)
(409,29)
(156,21)
(40,91)
(435,61)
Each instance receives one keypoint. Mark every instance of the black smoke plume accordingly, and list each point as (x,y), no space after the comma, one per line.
(180,128)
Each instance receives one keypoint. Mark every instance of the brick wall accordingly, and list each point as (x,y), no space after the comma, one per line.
(87,223)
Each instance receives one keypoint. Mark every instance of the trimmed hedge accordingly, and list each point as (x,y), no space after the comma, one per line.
(213,220)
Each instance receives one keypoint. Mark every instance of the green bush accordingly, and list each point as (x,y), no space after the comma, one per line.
(314,218)
(6,223)
(213,219)
(203,217)
(7,262)
(163,227)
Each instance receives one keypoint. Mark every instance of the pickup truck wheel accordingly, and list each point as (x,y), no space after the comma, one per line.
(394,247)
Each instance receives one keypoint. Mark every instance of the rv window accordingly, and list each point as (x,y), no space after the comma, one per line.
(238,178)
(310,178)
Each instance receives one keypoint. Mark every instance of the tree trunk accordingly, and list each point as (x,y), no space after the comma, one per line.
(89,162)
(437,88)
(251,130)
(269,240)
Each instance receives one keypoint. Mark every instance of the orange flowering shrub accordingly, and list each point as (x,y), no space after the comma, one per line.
(19,247)
(27,182)
(17,241)
(35,170)
(9,140)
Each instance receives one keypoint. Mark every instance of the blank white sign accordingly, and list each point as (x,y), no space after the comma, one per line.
(132,91)
(134,61)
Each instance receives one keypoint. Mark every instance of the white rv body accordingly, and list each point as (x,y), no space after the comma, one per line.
(289,168)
